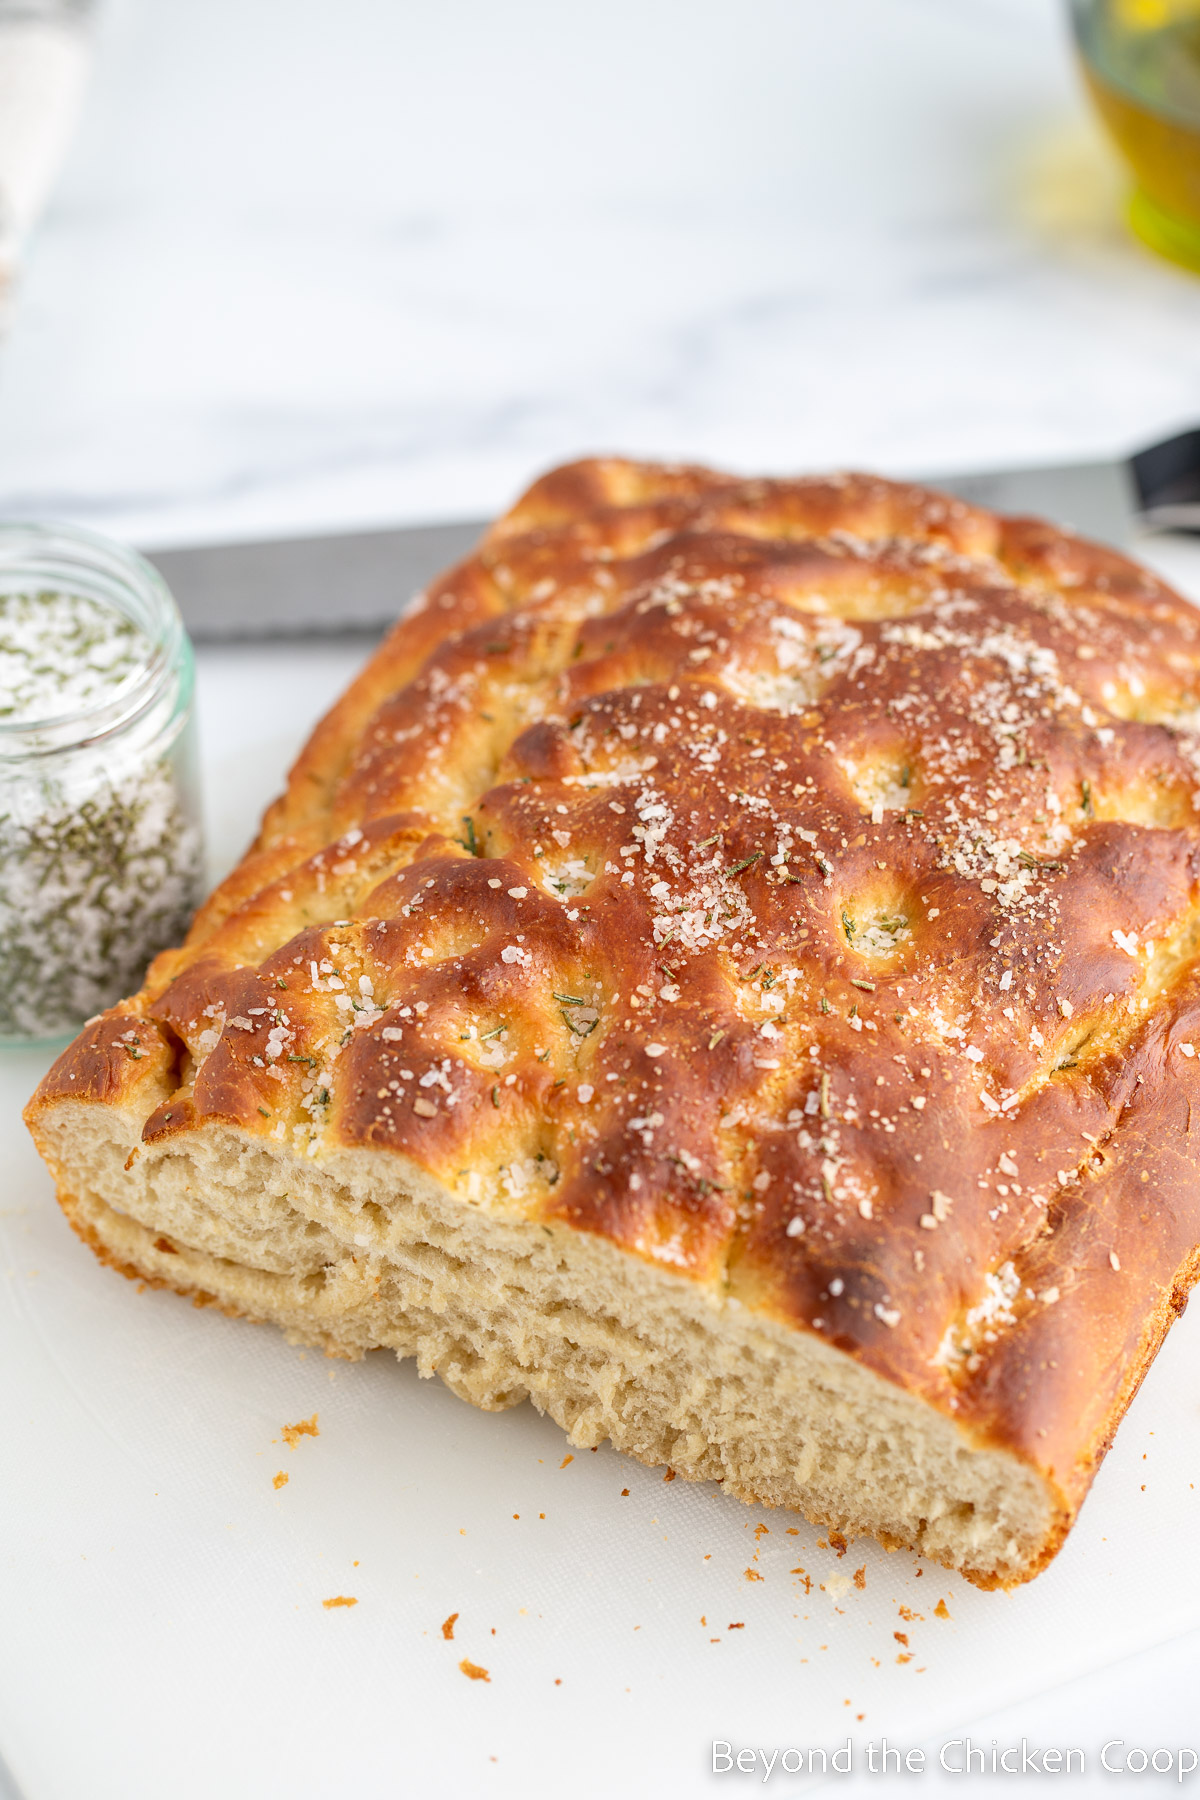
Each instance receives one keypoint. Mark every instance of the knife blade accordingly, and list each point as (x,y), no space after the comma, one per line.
(1098,500)
(355,581)
(345,582)
(1156,489)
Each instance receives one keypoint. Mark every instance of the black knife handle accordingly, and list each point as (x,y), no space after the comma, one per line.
(1167,478)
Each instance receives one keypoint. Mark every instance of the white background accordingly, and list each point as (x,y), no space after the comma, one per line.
(312,266)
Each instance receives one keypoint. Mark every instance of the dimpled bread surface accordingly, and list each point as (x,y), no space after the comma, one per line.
(726,971)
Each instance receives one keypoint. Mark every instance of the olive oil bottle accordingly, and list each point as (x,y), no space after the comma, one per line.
(1141,60)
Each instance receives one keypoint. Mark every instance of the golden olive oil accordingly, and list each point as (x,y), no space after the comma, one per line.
(1141,59)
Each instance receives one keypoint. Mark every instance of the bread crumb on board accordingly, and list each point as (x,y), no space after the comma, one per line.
(340,1600)
(472,1671)
(448,1627)
(291,1434)
(280,1480)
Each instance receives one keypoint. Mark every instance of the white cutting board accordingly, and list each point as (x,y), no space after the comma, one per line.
(161,1620)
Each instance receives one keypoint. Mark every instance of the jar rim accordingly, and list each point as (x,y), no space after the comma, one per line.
(72,560)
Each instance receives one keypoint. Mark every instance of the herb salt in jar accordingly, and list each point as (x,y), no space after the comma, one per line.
(100,839)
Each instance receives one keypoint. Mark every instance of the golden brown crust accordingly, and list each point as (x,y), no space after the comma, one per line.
(796,883)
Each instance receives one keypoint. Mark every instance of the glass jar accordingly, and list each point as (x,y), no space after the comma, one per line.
(100,838)
(1141,61)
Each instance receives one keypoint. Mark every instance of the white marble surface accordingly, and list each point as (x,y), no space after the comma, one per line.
(313,266)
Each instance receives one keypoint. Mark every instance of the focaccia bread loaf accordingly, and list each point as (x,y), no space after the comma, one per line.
(726,971)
